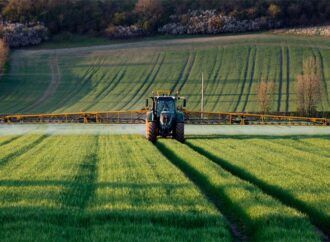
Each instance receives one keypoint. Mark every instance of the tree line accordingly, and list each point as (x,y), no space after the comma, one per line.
(95,16)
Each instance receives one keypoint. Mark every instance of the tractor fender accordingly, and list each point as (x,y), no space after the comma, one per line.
(179,117)
(150,117)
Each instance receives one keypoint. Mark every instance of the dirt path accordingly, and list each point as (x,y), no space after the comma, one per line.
(53,85)
(223,40)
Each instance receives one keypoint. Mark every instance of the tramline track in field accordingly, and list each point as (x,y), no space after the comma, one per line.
(138,117)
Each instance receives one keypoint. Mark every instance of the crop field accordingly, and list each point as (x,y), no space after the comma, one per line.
(121,76)
(123,188)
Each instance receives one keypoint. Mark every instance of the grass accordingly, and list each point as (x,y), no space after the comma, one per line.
(262,217)
(99,188)
(65,40)
(120,77)
(115,188)
(295,171)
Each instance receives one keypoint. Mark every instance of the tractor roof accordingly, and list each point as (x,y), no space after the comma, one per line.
(164,97)
(161,93)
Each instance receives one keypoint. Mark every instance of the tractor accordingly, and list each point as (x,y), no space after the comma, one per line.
(165,117)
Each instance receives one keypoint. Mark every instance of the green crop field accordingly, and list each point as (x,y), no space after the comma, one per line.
(123,188)
(64,182)
(121,76)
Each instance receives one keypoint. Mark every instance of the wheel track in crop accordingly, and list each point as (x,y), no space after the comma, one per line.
(325,84)
(52,86)
(251,78)
(215,72)
(22,150)
(85,76)
(320,220)
(149,80)
(189,71)
(182,72)
(287,100)
(246,69)
(114,82)
(279,97)
(112,85)
(218,80)
(236,227)
(122,105)
(145,76)
(85,80)
(318,70)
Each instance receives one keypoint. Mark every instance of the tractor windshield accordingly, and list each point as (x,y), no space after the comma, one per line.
(165,105)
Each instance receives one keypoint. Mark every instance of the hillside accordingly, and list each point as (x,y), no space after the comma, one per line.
(121,76)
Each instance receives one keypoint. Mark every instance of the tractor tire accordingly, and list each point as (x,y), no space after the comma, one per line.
(178,133)
(151,131)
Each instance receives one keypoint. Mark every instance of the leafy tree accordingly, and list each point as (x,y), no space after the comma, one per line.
(274,10)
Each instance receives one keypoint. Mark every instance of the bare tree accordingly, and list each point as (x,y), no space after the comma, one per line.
(308,87)
(265,95)
(3,55)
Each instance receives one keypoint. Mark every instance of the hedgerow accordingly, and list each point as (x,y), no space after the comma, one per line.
(212,22)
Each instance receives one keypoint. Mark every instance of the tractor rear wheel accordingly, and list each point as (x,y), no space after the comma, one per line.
(151,131)
(178,133)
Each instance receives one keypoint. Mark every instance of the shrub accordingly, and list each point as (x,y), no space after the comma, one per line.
(211,22)
(20,35)
(121,32)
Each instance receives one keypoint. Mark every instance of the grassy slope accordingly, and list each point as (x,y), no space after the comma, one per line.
(120,77)
(90,188)
(295,171)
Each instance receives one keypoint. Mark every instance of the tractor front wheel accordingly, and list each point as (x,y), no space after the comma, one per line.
(178,133)
(151,131)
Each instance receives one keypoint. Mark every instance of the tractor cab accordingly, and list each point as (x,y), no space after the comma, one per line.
(165,104)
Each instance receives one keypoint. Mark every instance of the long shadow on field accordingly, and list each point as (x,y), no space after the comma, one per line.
(78,193)
(22,150)
(74,224)
(60,217)
(112,185)
(322,221)
(10,140)
(215,194)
